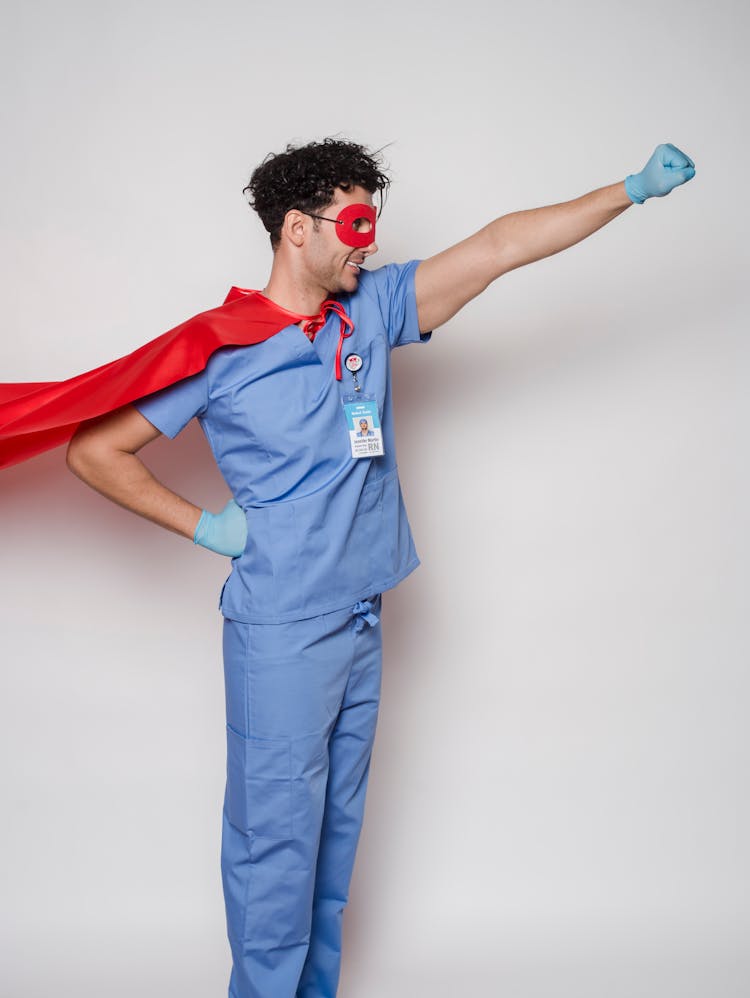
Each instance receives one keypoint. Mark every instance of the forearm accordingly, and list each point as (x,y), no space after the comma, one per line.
(124,478)
(525,236)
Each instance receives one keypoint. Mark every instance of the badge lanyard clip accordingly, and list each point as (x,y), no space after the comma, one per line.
(353,363)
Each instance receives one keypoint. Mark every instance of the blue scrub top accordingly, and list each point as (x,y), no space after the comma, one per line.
(324,529)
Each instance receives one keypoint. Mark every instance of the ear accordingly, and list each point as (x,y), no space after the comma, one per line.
(295,226)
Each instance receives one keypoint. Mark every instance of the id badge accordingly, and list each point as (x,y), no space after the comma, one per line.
(363,423)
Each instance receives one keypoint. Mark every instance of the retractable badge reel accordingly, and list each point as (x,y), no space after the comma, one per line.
(353,363)
(362,417)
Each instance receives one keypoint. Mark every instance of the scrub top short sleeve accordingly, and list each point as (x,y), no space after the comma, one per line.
(393,286)
(172,408)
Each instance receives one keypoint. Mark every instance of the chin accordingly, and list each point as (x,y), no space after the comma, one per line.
(344,287)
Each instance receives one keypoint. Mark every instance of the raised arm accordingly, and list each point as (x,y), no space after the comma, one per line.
(446,282)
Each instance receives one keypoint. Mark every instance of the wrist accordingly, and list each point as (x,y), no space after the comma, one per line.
(200,526)
(633,189)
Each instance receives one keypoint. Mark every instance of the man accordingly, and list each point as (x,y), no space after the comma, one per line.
(317,527)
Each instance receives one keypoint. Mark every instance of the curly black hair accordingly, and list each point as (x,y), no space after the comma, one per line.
(306,177)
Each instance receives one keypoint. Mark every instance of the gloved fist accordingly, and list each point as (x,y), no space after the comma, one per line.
(667,168)
(225,532)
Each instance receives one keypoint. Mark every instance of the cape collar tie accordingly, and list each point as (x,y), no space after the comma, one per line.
(311,326)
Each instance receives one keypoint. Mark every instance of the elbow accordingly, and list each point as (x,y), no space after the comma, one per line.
(74,456)
(82,452)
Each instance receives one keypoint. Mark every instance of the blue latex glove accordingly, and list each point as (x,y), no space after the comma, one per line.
(667,168)
(225,532)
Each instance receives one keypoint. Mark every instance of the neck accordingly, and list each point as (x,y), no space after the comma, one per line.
(293,293)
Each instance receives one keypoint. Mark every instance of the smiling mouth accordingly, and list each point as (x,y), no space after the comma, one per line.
(355,266)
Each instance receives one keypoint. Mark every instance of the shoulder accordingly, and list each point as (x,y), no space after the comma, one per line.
(386,297)
(381,287)
(387,278)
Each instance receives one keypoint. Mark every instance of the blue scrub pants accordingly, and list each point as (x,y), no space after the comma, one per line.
(302,704)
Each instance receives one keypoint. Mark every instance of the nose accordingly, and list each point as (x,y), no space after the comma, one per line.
(372,248)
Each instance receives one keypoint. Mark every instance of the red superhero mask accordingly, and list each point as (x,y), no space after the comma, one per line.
(355,224)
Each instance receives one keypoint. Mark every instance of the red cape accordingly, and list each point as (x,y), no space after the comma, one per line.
(37,416)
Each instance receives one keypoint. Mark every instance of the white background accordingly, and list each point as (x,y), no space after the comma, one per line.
(558,793)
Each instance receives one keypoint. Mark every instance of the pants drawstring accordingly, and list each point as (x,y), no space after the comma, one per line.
(364,615)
